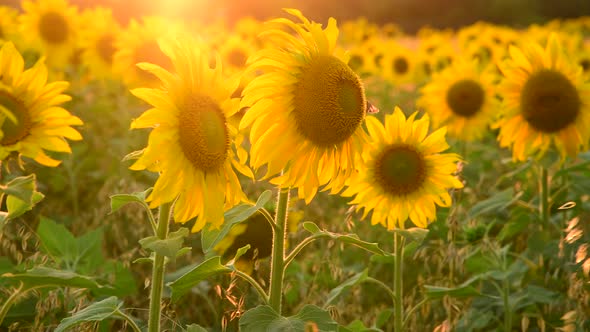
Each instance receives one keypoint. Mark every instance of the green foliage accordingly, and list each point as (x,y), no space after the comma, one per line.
(207,269)
(264,318)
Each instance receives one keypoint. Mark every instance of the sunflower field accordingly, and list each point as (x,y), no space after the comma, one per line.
(286,174)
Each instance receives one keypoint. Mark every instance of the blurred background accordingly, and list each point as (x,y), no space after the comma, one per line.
(410,15)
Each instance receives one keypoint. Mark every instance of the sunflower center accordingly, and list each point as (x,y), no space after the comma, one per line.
(356,62)
(585,63)
(400,65)
(465,98)
(14,132)
(237,58)
(329,101)
(106,48)
(400,170)
(203,133)
(150,52)
(53,28)
(550,102)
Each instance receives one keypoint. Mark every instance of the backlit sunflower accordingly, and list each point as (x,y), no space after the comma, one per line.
(462,98)
(138,43)
(98,42)
(306,109)
(32,120)
(51,28)
(398,64)
(192,140)
(545,101)
(402,173)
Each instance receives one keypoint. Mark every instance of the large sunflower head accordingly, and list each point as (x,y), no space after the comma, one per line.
(545,101)
(32,120)
(192,142)
(51,27)
(139,43)
(462,98)
(402,172)
(98,41)
(306,109)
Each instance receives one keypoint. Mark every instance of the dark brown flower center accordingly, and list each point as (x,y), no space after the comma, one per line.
(14,132)
(465,98)
(400,170)
(549,101)
(105,46)
(329,102)
(400,65)
(203,133)
(53,28)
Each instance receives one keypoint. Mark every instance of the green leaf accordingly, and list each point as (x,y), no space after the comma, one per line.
(17,207)
(207,269)
(346,285)
(416,234)
(461,291)
(350,239)
(21,187)
(41,276)
(195,328)
(96,312)
(57,241)
(383,317)
(120,200)
(497,202)
(210,236)
(311,227)
(120,279)
(169,247)
(358,326)
(241,251)
(264,318)
(89,251)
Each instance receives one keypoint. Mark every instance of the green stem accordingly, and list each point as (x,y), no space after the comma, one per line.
(507,309)
(384,286)
(277,269)
(416,307)
(9,302)
(129,320)
(544,196)
(254,284)
(158,271)
(398,317)
(302,245)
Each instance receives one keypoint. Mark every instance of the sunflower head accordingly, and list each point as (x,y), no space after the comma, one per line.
(51,27)
(306,109)
(193,143)
(402,173)
(31,118)
(98,41)
(546,102)
(461,97)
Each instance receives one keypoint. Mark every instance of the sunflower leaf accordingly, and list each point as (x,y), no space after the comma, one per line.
(120,200)
(346,285)
(169,247)
(207,269)
(96,312)
(21,187)
(17,207)
(264,318)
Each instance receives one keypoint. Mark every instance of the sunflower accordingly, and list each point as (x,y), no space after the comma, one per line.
(138,43)
(31,119)
(402,173)
(399,64)
(8,18)
(545,101)
(462,98)
(51,28)
(191,142)
(306,109)
(98,42)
